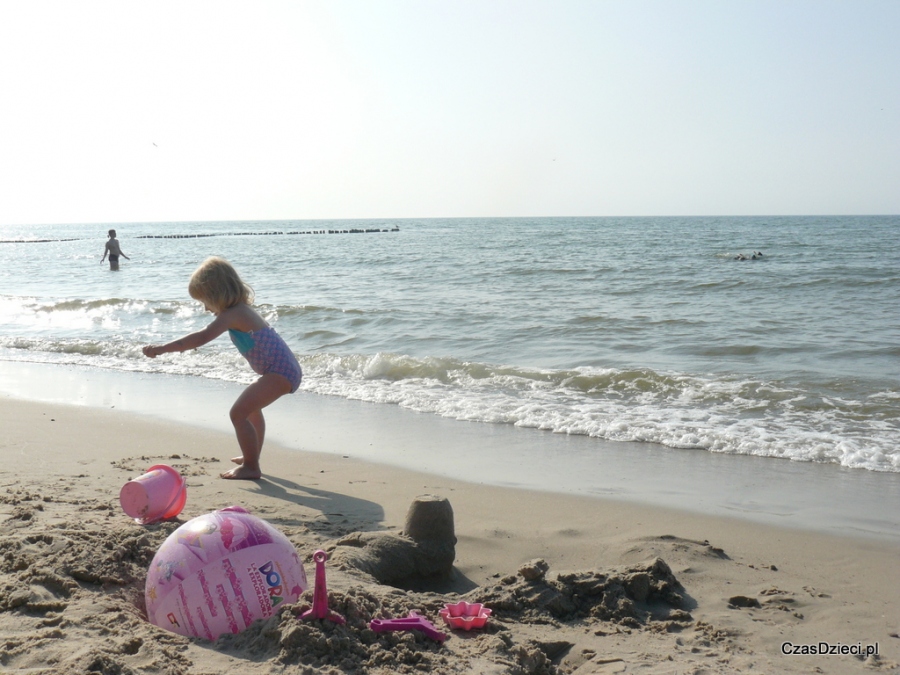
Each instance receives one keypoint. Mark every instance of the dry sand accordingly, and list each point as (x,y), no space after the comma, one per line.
(725,598)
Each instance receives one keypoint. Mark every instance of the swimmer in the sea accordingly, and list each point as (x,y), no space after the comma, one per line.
(112,248)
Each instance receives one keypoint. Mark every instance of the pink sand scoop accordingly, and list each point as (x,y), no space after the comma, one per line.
(157,495)
(320,608)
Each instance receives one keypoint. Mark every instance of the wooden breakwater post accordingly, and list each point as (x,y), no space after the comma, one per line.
(270,233)
(202,235)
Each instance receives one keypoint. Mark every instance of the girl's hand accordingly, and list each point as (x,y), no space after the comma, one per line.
(151,352)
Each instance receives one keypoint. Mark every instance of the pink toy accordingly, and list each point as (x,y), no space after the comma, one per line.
(220,572)
(412,622)
(320,594)
(159,494)
(465,615)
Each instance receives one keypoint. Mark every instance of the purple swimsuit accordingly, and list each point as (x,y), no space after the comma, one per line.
(267,352)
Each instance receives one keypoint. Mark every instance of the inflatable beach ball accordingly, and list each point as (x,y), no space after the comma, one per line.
(220,572)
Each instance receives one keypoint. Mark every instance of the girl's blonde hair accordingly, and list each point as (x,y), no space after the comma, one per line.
(217,284)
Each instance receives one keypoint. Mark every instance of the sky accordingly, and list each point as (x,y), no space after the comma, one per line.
(168,110)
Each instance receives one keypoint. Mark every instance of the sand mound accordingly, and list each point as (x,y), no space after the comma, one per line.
(79,579)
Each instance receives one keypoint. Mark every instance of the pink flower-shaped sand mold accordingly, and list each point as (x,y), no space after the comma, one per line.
(465,615)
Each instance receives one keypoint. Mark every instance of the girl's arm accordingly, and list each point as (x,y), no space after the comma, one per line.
(191,341)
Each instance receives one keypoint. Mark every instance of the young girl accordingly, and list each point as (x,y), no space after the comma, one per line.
(217,285)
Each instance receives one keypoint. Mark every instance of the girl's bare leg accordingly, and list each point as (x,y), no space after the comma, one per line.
(259,423)
(249,424)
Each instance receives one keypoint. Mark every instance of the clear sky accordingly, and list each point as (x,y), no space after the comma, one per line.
(117,111)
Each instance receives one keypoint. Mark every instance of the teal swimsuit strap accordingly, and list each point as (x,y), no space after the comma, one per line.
(243,341)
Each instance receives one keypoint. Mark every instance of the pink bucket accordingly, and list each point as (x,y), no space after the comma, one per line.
(157,495)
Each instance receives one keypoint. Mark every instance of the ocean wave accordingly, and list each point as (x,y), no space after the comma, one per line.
(728,415)
(296,310)
(26,306)
(77,305)
(75,347)
(828,422)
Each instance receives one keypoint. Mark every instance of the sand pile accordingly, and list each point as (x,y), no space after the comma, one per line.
(83,577)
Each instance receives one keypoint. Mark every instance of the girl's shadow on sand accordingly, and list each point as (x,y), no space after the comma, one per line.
(339,512)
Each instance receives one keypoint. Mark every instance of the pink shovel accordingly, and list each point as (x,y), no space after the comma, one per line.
(412,622)
(320,594)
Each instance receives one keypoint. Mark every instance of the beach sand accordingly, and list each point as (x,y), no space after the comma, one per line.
(727,596)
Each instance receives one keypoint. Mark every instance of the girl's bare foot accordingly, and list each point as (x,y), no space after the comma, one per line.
(242,473)
(238,460)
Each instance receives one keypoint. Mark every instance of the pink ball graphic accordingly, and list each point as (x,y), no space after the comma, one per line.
(220,572)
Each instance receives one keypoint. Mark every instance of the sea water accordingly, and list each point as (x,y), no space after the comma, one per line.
(777,337)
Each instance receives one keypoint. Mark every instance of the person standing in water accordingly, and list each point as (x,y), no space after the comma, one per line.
(114,251)
(217,285)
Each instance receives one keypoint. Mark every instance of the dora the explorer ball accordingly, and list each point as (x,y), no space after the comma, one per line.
(220,572)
